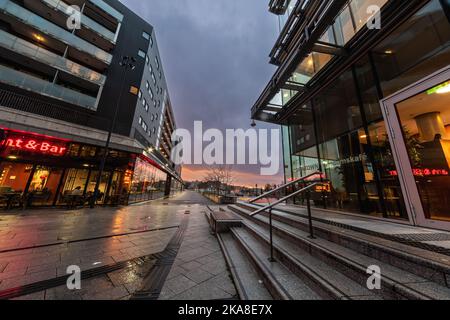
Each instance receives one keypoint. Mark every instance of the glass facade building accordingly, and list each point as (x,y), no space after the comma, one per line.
(38,170)
(334,109)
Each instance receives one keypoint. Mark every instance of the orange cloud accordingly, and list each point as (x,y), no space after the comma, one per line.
(241,178)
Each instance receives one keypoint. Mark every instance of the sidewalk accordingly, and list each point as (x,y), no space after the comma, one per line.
(199,271)
(117,247)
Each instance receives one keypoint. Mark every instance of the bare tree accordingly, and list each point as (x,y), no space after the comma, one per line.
(219,176)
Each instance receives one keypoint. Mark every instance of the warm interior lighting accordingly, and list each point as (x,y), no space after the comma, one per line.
(440,89)
(12,157)
(444,89)
(38,37)
(364,136)
(389,52)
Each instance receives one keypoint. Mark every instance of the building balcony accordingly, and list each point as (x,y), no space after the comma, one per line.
(89,30)
(30,50)
(16,14)
(108,9)
(28,82)
(101,12)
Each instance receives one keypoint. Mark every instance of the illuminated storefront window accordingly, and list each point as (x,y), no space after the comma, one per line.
(148,182)
(351,138)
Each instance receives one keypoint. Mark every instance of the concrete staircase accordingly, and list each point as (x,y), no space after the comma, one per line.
(332,266)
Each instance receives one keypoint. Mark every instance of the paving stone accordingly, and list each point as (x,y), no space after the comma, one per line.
(134,286)
(216,267)
(207,259)
(179,284)
(13,273)
(198,275)
(37,296)
(224,282)
(115,293)
(188,266)
(204,291)
(121,277)
(166,294)
(62,293)
(175,271)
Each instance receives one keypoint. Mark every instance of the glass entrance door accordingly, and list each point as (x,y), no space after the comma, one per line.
(419,122)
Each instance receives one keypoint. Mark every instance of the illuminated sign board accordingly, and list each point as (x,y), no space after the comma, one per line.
(34,144)
(424,172)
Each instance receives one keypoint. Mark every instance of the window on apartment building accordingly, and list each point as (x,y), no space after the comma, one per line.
(147,60)
(144,104)
(142,54)
(151,42)
(150,92)
(150,68)
(153,78)
(147,85)
(154,103)
(157,63)
(145,35)
(140,94)
(143,124)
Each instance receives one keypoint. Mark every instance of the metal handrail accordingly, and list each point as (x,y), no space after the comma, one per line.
(296,193)
(265,195)
(306,190)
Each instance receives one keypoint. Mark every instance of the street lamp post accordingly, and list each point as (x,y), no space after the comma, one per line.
(127,63)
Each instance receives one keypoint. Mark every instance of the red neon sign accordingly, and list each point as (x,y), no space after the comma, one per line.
(36,145)
(424,172)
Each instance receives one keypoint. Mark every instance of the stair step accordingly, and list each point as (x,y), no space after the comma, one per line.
(411,259)
(318,275)
(289,286)
(396,283)
(248,284)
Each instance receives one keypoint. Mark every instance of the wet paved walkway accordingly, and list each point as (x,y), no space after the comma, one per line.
(39,245)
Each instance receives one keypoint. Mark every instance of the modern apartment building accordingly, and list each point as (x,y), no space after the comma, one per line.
(362,92)
(61,79)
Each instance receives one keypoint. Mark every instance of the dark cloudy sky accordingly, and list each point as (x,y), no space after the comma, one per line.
(215,57)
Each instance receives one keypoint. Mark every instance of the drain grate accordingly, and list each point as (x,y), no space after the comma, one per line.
(157,276)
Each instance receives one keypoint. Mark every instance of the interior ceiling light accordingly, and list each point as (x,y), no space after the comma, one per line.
(440,89)
(38,37)
(444,89)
